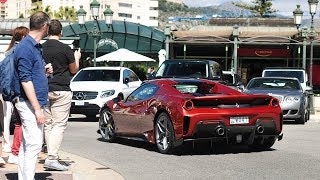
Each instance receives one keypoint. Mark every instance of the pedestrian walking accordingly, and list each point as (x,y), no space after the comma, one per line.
(31,90)
(18,34)
(65,62)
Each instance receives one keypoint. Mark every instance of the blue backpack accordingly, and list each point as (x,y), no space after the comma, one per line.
(7,76)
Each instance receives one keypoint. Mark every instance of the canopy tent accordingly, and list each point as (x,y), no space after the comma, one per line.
(123,55)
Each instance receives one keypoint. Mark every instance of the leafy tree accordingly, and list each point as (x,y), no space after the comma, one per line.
(66,13)
(21,16)
(259,7)
(38,7)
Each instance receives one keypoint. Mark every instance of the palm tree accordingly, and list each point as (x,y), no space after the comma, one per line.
(66,13)
(37,6)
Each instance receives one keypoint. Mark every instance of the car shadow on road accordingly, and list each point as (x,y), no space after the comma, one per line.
(38,176)
(83,119)
(192,148)
(291,122)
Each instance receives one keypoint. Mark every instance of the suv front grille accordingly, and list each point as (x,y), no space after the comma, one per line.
(84,95)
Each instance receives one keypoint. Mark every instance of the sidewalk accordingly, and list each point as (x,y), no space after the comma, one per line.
(79,169)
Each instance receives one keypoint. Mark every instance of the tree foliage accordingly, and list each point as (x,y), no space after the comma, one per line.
(64,13)
(261,8)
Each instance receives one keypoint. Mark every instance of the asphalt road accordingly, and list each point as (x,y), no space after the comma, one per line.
(296,156)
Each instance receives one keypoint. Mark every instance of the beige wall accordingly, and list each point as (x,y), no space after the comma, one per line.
(17,7)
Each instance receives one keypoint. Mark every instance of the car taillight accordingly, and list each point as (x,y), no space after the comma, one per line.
(188,105)
(274,102)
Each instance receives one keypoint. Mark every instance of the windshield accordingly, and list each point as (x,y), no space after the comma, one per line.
(183,69)
(98,75)
(283,73)
(265,83)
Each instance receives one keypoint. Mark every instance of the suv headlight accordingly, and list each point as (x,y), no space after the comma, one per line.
(291,99)
(107,93)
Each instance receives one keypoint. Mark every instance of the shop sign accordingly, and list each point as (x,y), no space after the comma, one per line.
(264,52)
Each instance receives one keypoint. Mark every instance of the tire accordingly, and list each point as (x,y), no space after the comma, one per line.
(265,144)
(107,126)
(308,115)
(164,134)
(301,120)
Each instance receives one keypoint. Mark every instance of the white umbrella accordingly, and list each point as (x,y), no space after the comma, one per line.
(123,55)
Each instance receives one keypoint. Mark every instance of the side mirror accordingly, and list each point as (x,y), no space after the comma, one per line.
(126,80)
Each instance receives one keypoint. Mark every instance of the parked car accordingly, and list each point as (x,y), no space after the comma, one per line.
(190,68)
(167,112)
(92,87)
(233,80)
(292,98)
(294,72)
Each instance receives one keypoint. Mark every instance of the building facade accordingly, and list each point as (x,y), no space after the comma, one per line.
(3,7)
(144,12)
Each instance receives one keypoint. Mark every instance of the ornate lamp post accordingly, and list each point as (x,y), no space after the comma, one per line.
(108,14)
(95,33)
(311,33)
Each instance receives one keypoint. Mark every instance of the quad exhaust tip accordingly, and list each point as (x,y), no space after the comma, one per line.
(220,131)
(260,129)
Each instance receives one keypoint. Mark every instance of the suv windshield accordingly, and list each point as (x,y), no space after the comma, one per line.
(183,69)
(291,73)
(98,75)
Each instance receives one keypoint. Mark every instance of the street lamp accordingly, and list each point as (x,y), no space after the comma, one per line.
(167,33)
(108,14)
(95,32)
(311,34)
(297,13)
(235,34)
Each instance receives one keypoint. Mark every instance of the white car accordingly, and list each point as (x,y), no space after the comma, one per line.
(298,73)
(93,86)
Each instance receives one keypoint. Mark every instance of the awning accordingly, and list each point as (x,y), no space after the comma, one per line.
(124,55)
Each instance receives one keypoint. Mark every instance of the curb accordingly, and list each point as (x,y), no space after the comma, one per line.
(79,169)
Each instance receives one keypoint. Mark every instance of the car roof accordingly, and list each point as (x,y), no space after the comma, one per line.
(189,60)
(104,68)
(292,78)
(284,68)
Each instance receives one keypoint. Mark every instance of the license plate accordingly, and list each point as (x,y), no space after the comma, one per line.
(79,103)
(239,120)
